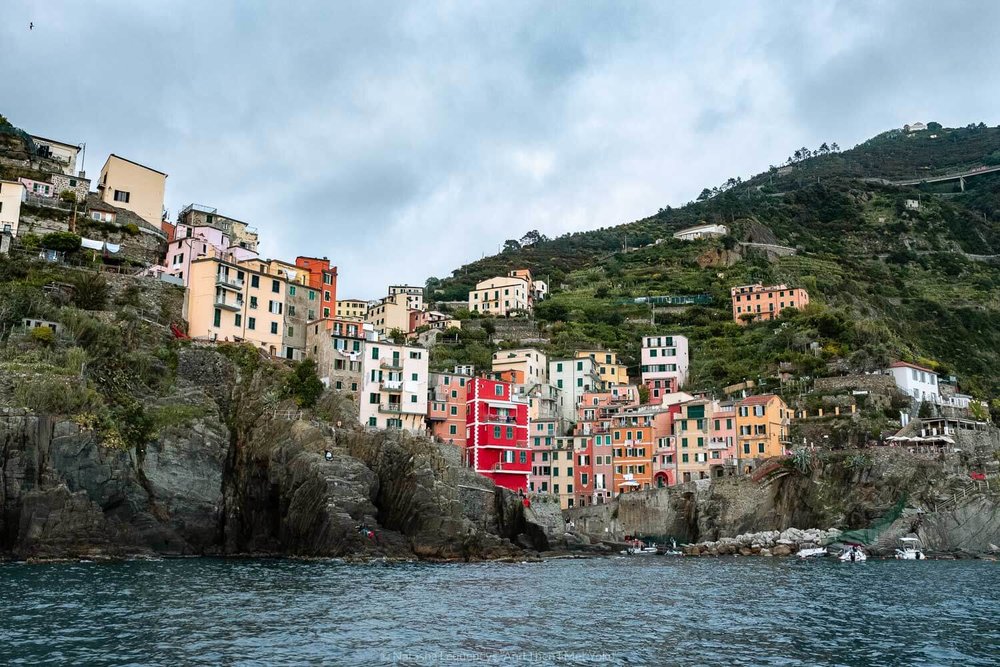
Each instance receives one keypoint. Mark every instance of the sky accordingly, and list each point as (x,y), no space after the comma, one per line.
(403,140)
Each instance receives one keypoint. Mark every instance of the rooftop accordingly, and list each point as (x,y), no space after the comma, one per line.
(906,364)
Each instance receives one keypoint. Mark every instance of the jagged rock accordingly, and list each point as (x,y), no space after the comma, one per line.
(782,550)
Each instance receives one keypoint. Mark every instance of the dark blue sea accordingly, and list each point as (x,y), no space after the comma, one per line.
(617,611)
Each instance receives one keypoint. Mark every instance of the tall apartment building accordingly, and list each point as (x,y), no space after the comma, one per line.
(414,295)
(337,347)
(664,366)
(322,277)
(573,378)
(389,314)
(236,301)
(691,433)
(497,433)
(755,303)
(134,187)
(527,365)
(394,389)
(762,422)
(446,405)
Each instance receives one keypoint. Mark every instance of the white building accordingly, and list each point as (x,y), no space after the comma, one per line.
(701,232)
(917,382)
(664,364)
(57,150)
(394,386)
(12,194)
(915,127)
(573,378)
(501,295)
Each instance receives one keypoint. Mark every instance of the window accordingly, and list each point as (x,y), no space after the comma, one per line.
(291,290)
(413,376)
(254,281)
(251,323)
(312,295)
(452,430)
(498,390)
(121,196)
(291,331)
(253,302)
(238,320)
(373,398)
(217,320)
(327,279)
(524,457)
(274,327)
(326,312)
(326,296)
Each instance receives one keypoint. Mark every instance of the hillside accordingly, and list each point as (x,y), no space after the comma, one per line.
(887,281)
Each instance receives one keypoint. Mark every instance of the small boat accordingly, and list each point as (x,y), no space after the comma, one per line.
(672,550)
(910,549)
(639,548)
(852,553)
(817,552)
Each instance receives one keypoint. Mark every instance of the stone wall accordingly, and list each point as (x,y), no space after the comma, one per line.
(883,384)
(514,329)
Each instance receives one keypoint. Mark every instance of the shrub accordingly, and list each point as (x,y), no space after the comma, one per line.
(131,228)
(303,384)
(91,291)
(56,396)
(67,195)
(43,336)
(61,241)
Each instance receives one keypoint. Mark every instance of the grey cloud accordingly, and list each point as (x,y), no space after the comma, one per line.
(425,134)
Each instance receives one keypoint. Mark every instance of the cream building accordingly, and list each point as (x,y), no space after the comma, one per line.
(390,313)
(611,371)
(237,301)
(394,386)
(134,187)
(353,309)
(57,150)
(529,366)
(12,194)
(500,296)
(414,295)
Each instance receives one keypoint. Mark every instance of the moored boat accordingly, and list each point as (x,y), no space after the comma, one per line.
(853,553)
(817,552)
(910,549)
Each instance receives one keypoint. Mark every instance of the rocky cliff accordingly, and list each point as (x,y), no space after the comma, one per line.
(233,470)
(931,494)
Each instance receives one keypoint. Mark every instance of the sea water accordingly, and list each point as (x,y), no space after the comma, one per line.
(649,610)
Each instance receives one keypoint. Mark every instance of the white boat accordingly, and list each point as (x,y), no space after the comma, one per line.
(910,549)
(639,548)
(672,550)
(817,552)
(852,553)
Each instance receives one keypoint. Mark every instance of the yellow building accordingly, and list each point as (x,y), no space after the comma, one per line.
(237,301)
(12,194)
(761,427)
(691,431)
(352,309)
(134,187)
(561,479)
(609,369)
(390,313)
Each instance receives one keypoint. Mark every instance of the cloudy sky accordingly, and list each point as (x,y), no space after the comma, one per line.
(404,139)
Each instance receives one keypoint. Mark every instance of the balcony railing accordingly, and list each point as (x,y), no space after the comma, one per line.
(392,364)
(717,444)
(228,281)
(392,385)
(228,305)
(500,419)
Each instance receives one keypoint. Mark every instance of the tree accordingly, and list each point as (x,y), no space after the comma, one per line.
(705,194)
(925,410)
(62,241)
(532,238)
(490,328)
(90,291)
(933,125)
(397,336)
(303,384)
(643,394)
(510,245)
(552,311)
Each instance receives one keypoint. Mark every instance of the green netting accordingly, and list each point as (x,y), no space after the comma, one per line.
(868,536)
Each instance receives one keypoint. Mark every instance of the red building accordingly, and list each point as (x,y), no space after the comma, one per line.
(497,433)
(323,278)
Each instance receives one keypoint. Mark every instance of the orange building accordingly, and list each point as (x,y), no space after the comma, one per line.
(756,303)
(762,427)
(322,278)
(633,441)
(446,406)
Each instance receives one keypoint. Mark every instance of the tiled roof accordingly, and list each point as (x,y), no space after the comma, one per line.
(761,399)
(904,364)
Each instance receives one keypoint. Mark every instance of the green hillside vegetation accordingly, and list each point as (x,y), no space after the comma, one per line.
(886,282)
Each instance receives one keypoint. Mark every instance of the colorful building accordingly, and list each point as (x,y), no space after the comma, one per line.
(322,277)
(447,396)
(134,187)
(337,347)
(497,433)
(527,365)
(241,234)
(394,387)
(390,314)
(664,366)
(191,243)
(564,476)
(414,295)
(722,438)
(501,296)
(573,378)
(353,309)
(762,428)
(755,303)
(610,370)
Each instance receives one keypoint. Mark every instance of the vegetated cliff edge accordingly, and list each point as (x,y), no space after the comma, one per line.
(883,494)
(234,473)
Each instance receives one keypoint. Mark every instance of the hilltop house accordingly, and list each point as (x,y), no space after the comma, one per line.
(134,187)
(12,194)
(703,231)
(915,381)
(759,303)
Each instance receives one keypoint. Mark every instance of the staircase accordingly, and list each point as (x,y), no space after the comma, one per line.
(971,488)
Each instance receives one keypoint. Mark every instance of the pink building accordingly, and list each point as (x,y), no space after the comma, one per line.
(446,406)
(722,438)
(191,243)
(664,365)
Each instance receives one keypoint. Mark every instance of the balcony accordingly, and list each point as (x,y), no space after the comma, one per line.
(235,306)
(500,419)
(225,280)
(717,443)
(392,408)
(391,385)
(392,364)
